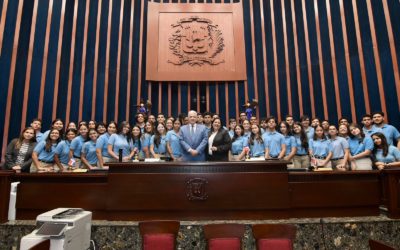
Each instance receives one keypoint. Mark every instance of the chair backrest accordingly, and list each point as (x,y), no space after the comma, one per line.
(224,236)
(274,236)
(159,235)
(377,245)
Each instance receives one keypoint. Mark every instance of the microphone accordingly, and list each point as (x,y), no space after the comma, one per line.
(120,155)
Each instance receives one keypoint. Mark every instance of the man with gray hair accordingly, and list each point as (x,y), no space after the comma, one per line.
(193,139)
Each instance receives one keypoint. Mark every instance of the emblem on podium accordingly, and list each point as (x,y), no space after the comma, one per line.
(196,189)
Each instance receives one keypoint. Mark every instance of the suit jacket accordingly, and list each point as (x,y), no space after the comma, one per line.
(197,141)
(12,154)
(223,142)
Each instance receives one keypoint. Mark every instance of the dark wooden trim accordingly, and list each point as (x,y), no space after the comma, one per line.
(5,186)
(254,55)
(277,83)
(287,64)
(118,71)
(160,97)
(265,66)
(296,51)
(96,59)
(3,23)
(128,85)
(169,99)
(140,62)
(107,69)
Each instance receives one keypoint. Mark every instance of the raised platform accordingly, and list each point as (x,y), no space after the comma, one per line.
(314,233)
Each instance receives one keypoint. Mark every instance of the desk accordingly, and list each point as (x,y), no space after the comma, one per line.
(200,191)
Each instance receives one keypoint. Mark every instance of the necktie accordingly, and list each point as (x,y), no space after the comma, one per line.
(192,130)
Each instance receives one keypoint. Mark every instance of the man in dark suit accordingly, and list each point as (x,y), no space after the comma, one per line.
(193,139)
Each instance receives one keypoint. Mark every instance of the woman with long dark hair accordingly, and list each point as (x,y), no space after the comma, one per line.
(219,142)
(301,159)
(240,144)
(89,156)
(290,141)
(137,142)
(158,144)
(146,138)
(77,144)
(173,141)
(383,154)
(319,149)
(56,124)
(43,154)
(121,141)
(102,145)
(256,142)
(339,148)
(19,151)
(360,149)
(61,156)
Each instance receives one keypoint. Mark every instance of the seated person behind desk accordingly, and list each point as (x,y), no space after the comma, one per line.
(339,148)
(219,142)
(383,154)
(274,142)
(301,159)
(256,142)
(19,151)
(77,144)
(360,149)
(240,144)
(121,141)
(61,156)
(290,141)
(137,143)
(102,143)
(319,149)
(43,154)
(158,144)
(173,145)
(88,154)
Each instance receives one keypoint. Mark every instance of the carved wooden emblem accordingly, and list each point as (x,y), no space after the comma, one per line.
(196,189)
(196,41)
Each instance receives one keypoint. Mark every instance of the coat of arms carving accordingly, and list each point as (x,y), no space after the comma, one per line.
(196,41)
(196,189)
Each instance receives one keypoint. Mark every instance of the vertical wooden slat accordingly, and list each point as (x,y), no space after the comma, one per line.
(96,59)
(226,104)
(237,99)
(45,59)
(188,97)
(376,56)
(278,99)
(348,63)
(83,66)
(333,59)
(149,91)
(58,64)
(179,98)
(208,96)
(361,58)
(12,77)
(3,23)
(29,64)
(169,99)
(296,52)
(309,69)
(160,97)
(128,85)
(392,50)
(198,97)
(140,54)
(264,51)
(121,20)
(287,64)
(71,62)
(107,69)
(253,49)
(321,61)
(216,97)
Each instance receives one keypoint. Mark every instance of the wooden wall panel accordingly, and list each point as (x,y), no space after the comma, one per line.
(272,67)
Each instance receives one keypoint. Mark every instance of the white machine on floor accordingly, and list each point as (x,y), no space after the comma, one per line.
(67,228)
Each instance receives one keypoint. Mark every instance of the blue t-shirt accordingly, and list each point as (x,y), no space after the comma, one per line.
(62,150)
(162,147)
(310,132)
(391,133)
(358,146)
(39,137)
(320,147)
(102,143)
(238,145)
(146,139)
(392,156)
(231,133)
(43,155)
(290,142)
(338,146)
(300,149)
(372,130)
(45,135)
(257,149)
(76,145)
(118,141)
(273,141)
(174,141)
(89,149)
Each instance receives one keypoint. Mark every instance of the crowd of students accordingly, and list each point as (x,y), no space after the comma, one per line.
(373,144)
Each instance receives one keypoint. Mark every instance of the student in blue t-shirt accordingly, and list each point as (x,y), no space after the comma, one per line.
(232,125)
(121,141)
(43,154)
(319,149)
(61,157)
(240,144)
(88,154)
(339,148)
(102,145)
(383,154)
(137,143)
(256,142)
(173,141)
(361,147)
(77,144)
(391,133)
(274,142)
(290,141)
(146,138)
(158,144)
(301,159)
